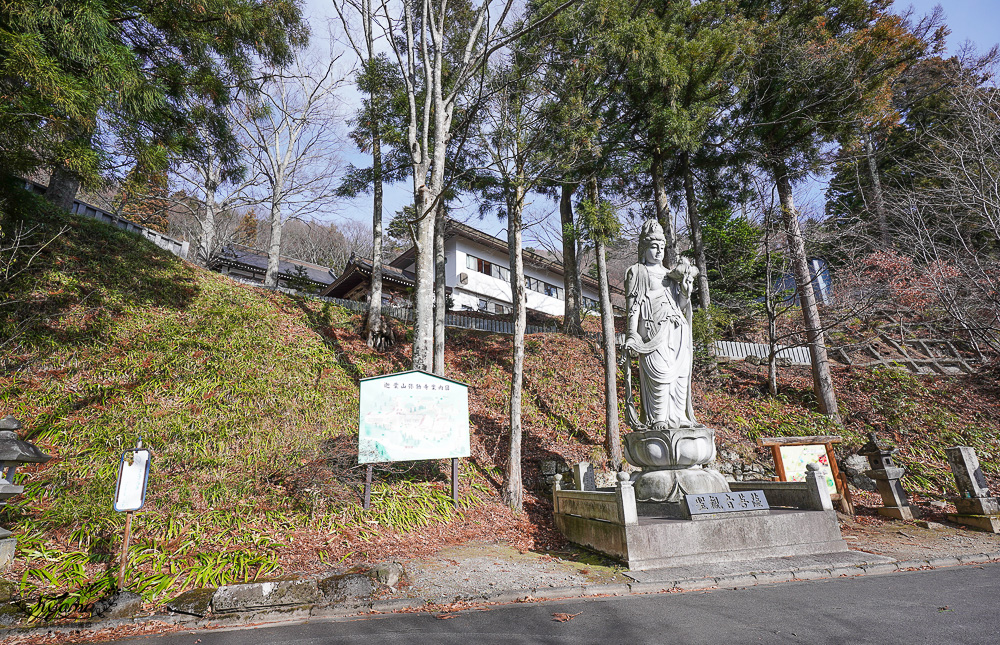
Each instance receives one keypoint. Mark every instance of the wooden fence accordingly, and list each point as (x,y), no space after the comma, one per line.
(727,349)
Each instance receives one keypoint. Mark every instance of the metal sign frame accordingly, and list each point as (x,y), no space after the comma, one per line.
(145,478)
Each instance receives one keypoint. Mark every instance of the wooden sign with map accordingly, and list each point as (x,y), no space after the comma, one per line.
(409,416)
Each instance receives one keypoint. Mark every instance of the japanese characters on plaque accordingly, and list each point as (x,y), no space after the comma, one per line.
(749,500)
(419,386)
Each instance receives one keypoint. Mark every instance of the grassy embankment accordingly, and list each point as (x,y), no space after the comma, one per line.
(248,399)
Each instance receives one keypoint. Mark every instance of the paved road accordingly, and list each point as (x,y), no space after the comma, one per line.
(943,606)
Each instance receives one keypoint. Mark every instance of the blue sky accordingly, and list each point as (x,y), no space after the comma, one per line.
(969,20)
(973,20)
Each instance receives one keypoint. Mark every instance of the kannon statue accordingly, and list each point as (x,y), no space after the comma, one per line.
(668,442)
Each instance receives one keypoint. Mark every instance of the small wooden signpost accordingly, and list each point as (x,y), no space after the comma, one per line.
(130,493)
(792,454)
(412,416)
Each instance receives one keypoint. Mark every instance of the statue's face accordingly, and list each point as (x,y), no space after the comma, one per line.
(654,252)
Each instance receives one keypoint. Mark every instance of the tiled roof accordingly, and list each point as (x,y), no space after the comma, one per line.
(360,270)
(235,255)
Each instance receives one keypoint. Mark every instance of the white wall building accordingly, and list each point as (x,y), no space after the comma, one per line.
(477,275)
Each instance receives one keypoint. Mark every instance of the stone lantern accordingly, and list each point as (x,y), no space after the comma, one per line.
(13,452)
(886,475)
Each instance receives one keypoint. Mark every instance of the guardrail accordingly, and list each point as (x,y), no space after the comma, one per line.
(728,349)
(165,242)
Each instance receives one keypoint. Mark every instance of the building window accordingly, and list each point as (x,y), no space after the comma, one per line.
(488,268)
(590,303)
(551,290)
(498,308)
(483,305)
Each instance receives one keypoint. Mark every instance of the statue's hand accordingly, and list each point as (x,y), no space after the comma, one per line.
(632,346)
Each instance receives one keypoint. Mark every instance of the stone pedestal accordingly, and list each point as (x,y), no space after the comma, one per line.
(894,500)
(673,463)
(988,523)
(975,505)
(8,546)
(801,521)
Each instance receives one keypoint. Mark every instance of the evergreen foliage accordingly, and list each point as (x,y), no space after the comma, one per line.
(91,86)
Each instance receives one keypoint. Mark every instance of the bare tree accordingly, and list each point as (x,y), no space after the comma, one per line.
(291,145)
(207,195)
(513,137)
(441,50)
(19,248)
(949,223)
(326,244)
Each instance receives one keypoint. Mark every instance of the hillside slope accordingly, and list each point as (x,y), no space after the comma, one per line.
(248,399)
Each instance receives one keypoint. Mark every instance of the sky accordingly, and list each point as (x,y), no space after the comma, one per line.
(974,21)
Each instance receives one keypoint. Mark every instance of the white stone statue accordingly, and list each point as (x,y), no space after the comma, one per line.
(659,331)
(668,443)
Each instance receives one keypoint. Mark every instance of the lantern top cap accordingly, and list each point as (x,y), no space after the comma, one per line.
(13,448)
(875,447)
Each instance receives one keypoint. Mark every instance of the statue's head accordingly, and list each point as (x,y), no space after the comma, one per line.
(651,232)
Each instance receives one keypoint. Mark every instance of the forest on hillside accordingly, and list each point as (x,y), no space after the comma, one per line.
(713,117)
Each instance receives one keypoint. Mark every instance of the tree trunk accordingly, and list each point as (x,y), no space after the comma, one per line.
(772,340)
(877,197)
(206,241)
(440,305)
(822,379)
(613,438)
(374,321)
(62,189)
(694,220)
(274,246)
(663,215)
(513,491)
(423,319)
(770,309)
(572,289)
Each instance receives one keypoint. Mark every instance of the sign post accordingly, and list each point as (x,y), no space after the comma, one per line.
(412,416)
(130,494)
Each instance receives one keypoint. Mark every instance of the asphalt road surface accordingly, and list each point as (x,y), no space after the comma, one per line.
(943,606)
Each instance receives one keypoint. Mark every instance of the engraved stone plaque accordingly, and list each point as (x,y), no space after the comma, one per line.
(710,503)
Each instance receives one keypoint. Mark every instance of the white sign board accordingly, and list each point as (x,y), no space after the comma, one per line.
(133,474)
(410,416)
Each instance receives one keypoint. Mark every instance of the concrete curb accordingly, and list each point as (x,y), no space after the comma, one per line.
(301,613)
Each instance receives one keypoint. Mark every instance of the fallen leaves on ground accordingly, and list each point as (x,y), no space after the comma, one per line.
(560,617)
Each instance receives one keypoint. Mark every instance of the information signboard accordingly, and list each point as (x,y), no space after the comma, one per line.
(411,416)
(796,458)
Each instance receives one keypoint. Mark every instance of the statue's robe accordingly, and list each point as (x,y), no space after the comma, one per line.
(666,355)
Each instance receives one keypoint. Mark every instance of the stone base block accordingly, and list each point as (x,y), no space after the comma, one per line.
(977,506)
(897,512)
(7,548)
(652,486)
(656,542)
(990,523)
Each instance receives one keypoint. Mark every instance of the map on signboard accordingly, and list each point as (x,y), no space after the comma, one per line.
(796,457)
(411,416)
